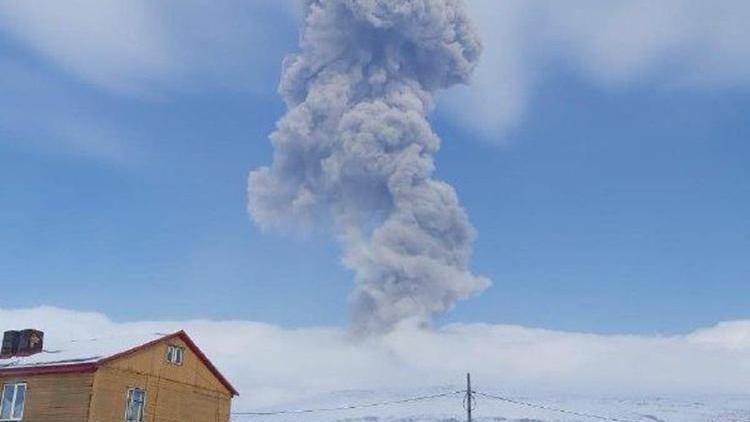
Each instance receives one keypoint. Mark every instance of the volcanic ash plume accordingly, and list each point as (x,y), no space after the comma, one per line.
(355,149)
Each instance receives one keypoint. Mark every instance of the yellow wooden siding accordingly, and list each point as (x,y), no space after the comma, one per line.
(187,393)
(55,398)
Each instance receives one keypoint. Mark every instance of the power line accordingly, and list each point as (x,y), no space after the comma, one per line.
(350,407)
(469,403)
(551,409)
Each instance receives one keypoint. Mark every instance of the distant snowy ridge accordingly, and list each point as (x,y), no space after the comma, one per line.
(449,408)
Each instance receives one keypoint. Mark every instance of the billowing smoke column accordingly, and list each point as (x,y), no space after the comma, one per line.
(355,151)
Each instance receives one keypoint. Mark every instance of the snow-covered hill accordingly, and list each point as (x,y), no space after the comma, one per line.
(449,408)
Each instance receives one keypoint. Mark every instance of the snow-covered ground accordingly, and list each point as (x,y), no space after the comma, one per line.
(450,408)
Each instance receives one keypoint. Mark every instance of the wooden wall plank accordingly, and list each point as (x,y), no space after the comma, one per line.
(187,393)
(56,398)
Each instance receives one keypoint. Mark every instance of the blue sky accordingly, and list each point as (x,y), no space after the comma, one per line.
(602,161)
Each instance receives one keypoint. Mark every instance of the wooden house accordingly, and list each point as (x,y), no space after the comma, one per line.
(164,378)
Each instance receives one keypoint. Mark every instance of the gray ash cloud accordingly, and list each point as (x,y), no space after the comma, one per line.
(356,151)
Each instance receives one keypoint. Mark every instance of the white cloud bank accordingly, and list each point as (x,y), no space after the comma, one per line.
(270,364)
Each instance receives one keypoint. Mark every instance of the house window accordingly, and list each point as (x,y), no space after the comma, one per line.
(175,355)
(12,402)
(136,403)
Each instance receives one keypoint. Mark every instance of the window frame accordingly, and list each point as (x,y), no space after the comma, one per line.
(16,386)
(128,399)
(174,351)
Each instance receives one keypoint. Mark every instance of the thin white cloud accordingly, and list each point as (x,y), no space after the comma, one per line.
(39,113)
(114,44)
(155,48)
(668,44)
(140,48)
(270,364)
(146,48)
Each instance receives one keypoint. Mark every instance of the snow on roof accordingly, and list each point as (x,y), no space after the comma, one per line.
(59,351)
(66,354)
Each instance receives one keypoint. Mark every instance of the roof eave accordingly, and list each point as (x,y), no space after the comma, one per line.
(78,368)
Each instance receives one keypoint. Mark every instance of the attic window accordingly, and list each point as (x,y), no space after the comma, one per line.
(175,355)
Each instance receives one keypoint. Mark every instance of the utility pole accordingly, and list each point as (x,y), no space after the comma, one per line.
(469,397)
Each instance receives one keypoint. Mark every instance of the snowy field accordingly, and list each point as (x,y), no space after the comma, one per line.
(450,408)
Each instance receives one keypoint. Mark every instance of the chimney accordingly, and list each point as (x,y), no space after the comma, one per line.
(21,343)
(10,344)
(30,342)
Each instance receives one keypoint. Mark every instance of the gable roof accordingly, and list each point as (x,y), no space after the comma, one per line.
(81,356)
